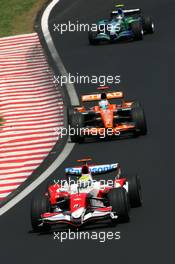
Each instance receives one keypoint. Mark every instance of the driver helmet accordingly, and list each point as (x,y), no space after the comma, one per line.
(104,102)
(120,14)
(86,179)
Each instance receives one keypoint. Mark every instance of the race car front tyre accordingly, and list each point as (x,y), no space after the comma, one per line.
(92,37)
(77,123)
(137,30)
(138,118)
(39,205)
(134,191)
(148,25)
(118,199)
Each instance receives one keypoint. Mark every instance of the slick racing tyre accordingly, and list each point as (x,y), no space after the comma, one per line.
(134,191)
(92,37)
(136,104)
(70,111)
(118,199)
(138,117)
(148,25)
(112,16)
(39,205)
(137,30)
(77,123)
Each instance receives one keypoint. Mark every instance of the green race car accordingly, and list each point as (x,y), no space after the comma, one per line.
(123,24)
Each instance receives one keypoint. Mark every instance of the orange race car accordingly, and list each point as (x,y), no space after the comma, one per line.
(105,119)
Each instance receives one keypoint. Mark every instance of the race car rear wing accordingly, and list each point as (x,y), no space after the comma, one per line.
(95,170)
(97,97)
(128,12)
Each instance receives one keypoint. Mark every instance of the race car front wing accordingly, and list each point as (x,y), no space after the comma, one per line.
(67,217)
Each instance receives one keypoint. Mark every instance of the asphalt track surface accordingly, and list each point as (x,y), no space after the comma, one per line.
(147,70)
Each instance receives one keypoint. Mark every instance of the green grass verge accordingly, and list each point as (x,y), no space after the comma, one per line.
(1,120)
(17,16)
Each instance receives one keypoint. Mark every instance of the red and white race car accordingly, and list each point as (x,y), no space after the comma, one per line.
(80,198)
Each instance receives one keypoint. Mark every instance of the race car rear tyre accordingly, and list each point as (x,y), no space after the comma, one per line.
(134,191)
(136,104)
(148,25)
(137,30)
(77,123)
(92,37)
(39,205)
(138,117)
(70,112)
(112,15)
(118,199)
